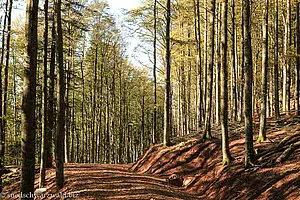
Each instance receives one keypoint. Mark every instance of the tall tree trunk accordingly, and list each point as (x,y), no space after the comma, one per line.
(45,129)
(154,139)
(121,129)
(2,135)
(249,152)
(286,66)
(60,135)
(94,104)
(167,117)
(205,60)
(276,88)
(29,100)
(5,88)
(199,56)
(51,113)
(233,66)
(297,69)
(82,109)
(218,66)
(242,68)
(207,128)
(262,126)
(224,89)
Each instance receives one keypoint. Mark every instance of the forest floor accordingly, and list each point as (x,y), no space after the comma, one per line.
(274,175)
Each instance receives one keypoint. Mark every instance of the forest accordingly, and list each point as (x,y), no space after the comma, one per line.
(205,106)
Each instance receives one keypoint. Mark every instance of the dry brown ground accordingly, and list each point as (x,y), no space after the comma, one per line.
(199,163)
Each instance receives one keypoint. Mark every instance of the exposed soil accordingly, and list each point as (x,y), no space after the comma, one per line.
(198,163)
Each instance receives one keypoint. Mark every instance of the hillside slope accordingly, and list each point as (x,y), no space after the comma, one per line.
(275,175)
(198,163)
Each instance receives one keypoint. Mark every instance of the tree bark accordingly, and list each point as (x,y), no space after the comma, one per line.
(249,152)
(167,117)
(51,113)
(154,139)
(45,129)
(276,88)
(286,66)
(2,135)
(224,89)
(264,83)
(233,66)
(28,101)
(5,88)
(200,94)
(207,126)
(60,135)
(297,69)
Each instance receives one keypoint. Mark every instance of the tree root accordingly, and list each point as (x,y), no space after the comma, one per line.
(285,155)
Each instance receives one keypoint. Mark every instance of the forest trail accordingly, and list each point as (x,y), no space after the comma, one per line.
(198,163)
(108,181)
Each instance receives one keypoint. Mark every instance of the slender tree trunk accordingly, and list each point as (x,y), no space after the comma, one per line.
(121,131)
(242,67)
(94,104)
(154,139)
(51,113)
(82,109)
(207,128)
(233,66)
(101,107)
(107,122)
(224,89)
(297,69)
(286,67)
(262,127)
(2,135)
(189,83)
(60,135)
(167,117)
(45,129)
(276,88)
(73,129)
(205,60)
(5,89)
(200,97)
(29,100)
(218,66)
(249,151)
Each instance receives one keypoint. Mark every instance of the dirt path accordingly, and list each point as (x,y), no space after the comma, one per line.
(198,163)
(103,181)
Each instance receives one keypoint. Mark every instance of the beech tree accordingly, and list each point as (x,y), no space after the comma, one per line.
(249,151)
(276,75)
(60,135)
(29,100)
(45,130)
(224,89)
(168,109)
(262,127)
(297,68)
(211,42)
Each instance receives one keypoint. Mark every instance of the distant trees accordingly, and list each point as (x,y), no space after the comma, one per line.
(115,116)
